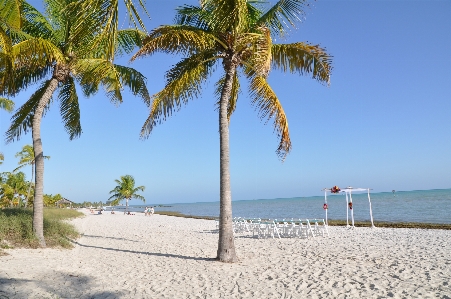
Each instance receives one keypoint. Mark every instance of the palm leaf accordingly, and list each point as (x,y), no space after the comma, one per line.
(10,13)
(176,39)
(229,15)
(194,16)
(92,73)
(70,109)
(283,14)
(303,58)
(24,77)
(6,104)
(128,39)
(100,18)
(269,107)
(36,52)
(183,83)
(134,80)
(21,121)
(35,24)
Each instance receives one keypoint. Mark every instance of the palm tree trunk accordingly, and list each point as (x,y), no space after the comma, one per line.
(60,74)
(126,205)
(226,243)
(29,188)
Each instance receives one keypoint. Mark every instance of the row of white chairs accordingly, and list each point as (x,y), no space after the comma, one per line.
(287,228)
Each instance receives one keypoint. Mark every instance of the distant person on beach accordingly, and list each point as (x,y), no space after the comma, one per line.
(146,211)
(151,211)
(112,212)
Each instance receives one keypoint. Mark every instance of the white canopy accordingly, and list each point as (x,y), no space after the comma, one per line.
(348,191)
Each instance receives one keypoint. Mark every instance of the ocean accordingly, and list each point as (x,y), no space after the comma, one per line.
(423,206)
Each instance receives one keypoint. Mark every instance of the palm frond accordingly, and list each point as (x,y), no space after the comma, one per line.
(256,50)
(10,13)
(91,73)
(100,18)
(36,52)
(183,40)
(229,15)
(128,39)
(283,14)
(303,58)
(6,104)
(21,121)
(269,107)
(24,77)
(194,16)
(134,80)
(35,23)
(183,83)
(70,109)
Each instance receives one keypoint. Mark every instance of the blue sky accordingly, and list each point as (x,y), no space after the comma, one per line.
(384,122)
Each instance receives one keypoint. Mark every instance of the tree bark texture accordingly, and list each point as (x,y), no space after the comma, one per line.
(31,183)
(226,244)
(59,75)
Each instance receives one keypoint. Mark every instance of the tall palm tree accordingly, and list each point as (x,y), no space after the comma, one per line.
(238,33)
(125,189)
(26,156)
(84,41)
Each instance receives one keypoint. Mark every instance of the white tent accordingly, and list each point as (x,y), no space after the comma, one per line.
(348,191)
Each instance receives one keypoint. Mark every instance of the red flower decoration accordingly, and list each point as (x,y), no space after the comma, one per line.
(335,189)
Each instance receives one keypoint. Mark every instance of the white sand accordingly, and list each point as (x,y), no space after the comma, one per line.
(122,256)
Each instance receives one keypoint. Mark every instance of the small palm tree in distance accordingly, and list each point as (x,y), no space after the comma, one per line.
(125,189)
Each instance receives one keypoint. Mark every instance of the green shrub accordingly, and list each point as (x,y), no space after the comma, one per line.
(16,228)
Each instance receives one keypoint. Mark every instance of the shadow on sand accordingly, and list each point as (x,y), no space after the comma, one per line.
(146,253)
(57,285)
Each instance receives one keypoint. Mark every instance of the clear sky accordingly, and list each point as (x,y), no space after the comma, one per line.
(384,122)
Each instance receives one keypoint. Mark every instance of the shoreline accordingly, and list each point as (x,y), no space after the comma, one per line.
(121,256)
(332,222)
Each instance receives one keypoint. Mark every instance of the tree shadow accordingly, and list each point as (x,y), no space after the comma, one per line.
(146,253)
(114,238)
(61,285)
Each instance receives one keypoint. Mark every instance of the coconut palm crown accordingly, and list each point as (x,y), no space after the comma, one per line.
(125,189)
(238,33)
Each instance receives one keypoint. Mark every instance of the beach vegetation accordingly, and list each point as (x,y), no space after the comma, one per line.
(125,189)
(74,42)
(13,189)
(16,228)
(235,36)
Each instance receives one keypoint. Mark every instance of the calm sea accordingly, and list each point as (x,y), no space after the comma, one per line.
(426,206)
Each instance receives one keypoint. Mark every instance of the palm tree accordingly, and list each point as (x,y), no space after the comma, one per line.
(26,156)
(238,33)
(14,187)
(125,189)
(83,38)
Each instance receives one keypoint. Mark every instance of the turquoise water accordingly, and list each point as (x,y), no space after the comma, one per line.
(426,206)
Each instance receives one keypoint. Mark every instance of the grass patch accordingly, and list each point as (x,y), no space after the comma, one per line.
(16,229)
(339,222)
(177,214)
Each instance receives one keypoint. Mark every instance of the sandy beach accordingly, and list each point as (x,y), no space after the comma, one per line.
(122,256)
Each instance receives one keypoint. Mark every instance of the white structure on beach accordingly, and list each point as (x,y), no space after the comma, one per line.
(348,191)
